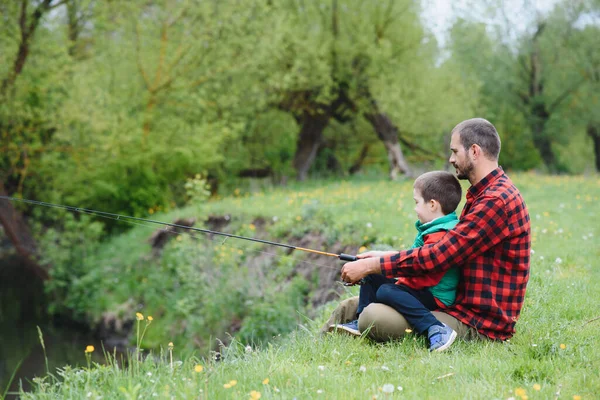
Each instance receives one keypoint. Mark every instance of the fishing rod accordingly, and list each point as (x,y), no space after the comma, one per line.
(127,218)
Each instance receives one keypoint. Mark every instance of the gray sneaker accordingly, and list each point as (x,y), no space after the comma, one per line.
(440,337)
(350,327)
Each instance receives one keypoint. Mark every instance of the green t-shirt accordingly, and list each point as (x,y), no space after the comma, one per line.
(445,291)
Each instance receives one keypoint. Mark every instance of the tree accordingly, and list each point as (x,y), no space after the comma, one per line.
(332,59)
(529,79)
(22,21)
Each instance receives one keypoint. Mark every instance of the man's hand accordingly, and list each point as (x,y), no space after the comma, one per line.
(354,271)
(377,254)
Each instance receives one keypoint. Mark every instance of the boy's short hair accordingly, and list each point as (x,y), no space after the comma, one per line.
(441,186)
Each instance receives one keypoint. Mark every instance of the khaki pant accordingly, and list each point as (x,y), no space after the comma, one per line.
(385,323)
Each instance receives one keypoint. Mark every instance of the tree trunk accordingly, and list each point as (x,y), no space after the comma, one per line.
(594,133)
(359,161)
(309,139)
(20,236)
(388,133)
(27,32)
(541,140)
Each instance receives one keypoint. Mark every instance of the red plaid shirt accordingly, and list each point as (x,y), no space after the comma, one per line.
(492,244)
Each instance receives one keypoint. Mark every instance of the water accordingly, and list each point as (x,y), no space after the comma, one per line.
(22,310)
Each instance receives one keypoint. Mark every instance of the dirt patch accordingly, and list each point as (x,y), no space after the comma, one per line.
(161,236)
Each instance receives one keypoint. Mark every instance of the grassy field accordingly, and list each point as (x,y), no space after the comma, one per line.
(555,353)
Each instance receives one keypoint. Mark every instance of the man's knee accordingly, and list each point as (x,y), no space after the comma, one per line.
(382,322)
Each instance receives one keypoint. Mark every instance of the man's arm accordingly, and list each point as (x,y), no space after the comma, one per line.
(483,227)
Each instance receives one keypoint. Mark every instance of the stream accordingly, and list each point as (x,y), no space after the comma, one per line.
(23,308)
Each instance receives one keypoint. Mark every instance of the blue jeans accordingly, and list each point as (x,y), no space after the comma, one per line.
(414,305)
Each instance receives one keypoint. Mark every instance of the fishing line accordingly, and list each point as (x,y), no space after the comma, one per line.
(138,221)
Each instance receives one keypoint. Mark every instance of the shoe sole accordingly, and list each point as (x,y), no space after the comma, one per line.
(448,343)
(344,329)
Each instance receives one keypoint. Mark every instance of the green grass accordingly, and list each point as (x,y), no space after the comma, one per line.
(555,347)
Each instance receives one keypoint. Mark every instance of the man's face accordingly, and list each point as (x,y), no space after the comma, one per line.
(460,158)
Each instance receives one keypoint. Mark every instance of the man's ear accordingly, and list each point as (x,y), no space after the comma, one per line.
(476,151)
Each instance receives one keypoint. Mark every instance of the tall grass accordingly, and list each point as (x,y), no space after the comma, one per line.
(555,353)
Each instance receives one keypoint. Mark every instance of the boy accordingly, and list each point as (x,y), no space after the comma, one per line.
(436,196)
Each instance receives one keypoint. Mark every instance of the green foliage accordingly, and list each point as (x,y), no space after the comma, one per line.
(66,251)
(197,189)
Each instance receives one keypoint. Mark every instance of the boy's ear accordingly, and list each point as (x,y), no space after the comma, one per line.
(433,204)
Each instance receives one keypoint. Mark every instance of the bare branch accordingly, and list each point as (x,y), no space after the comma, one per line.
(139,59)
(564,95)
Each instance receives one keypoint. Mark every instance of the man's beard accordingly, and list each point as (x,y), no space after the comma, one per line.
(465,171)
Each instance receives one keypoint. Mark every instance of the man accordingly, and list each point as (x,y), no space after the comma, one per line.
(490,244)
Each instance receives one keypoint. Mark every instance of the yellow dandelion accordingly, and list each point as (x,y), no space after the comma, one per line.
(362,249)
(348,362)
(139,316)
(266,381)
(171,345)
(252,227)
(89,349)
(537,386)
(150,318)
(254,395)
(298,218)
(232,382)
(408,330)
(520,392)
(227,385)
(198,368)
(563,346)
(576,397)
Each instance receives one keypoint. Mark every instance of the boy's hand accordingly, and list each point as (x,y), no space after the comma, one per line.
(370,254)
(354,271)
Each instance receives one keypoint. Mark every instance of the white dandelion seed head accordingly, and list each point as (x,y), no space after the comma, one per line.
(248,349)
(383,367)
(321,368)
(362,368)
(400,388)
(319,391)
(558,260)
(388,388)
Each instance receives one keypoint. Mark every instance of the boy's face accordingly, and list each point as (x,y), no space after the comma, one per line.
(426,211)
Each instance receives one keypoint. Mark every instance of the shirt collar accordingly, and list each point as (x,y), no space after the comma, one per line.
(477,188)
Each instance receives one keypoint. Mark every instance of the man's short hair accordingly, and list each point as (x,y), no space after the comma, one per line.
(481,132)
(441,186)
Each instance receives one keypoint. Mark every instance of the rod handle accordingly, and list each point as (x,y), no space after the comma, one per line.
(347,257)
